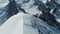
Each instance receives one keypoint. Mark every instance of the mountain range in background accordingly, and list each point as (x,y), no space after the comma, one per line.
(46,10)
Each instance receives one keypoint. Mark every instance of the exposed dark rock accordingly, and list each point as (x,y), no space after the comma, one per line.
(12,8)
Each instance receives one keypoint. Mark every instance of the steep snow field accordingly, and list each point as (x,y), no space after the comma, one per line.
(26,24)
(22,23)
(13,25)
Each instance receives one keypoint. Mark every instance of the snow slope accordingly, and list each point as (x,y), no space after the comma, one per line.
(26,24)
(13,25)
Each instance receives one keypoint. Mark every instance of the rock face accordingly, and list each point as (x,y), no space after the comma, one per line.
(12,8)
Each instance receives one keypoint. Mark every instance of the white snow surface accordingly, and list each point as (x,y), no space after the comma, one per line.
(14,25)
(22,24)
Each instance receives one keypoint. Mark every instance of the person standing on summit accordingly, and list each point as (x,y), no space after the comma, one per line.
(12,8)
